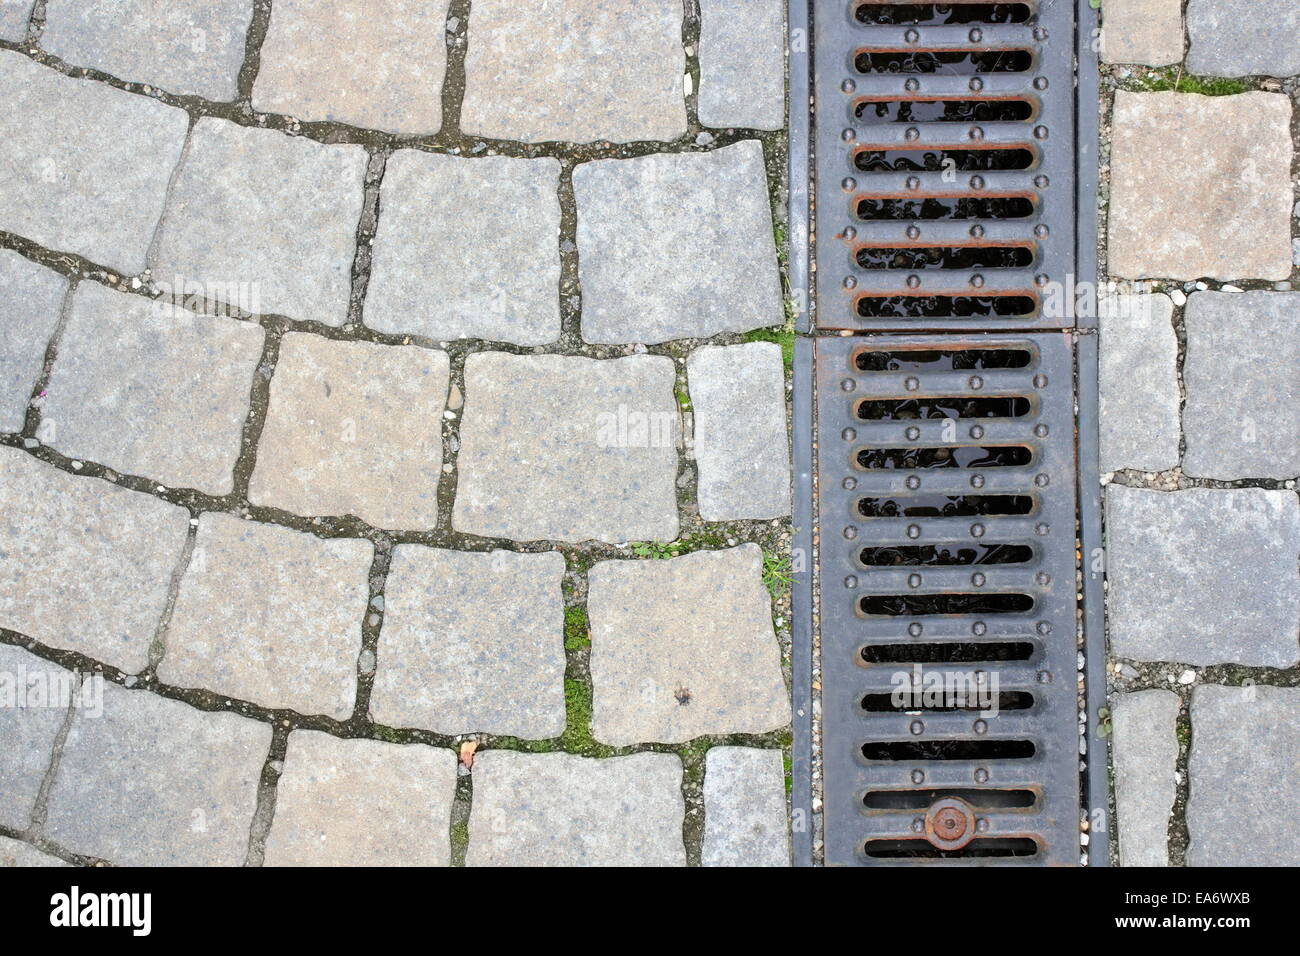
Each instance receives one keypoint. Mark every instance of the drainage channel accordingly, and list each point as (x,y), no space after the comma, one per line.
(945,435)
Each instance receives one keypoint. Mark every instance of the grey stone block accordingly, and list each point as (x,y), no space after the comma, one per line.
(1243,37)
(557,809)
(13,18)
(34,699)
(1145,754)
(1138,383)
(675,246)
(742,63)
(1203,576)
(745,822)
(15,853)
(1149,32)
(472,642)
(30,299)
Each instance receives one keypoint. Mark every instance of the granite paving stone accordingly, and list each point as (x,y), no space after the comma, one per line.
(85,564)
(1138,383)
(31,297)
(1145,748)
(467,248)
(1243,37)
(34,701)
(472,642)
(1149,32)
(742,63)
(1203,576)
(353,428)
(270,615)
(13,18)
(15,853)
(745,820)
(676,246)
(558,809)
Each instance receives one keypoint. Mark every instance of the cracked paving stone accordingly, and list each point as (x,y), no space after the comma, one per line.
(1138,383)
(353,428)
(1218,203)
(738,397)
(1149,32)
(742,63)
(1243,37)
(270,615)
(1145,747)
(684,647)
(34,699)
(30,299)
(182,46)
(15,853)
(387,74)
(568,449)
(575,71)
(87,165)
(361,803)
(1242,417)
(744,808)
(486,229)
(86,563)
(155,782)
(151,389)
(472,642)
(1203,576)
(258,215)
(1244,776)
(675,246)
(558,809)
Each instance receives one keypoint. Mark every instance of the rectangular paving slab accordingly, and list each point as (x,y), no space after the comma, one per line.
(1149,32)
(1145,747)
(14,15)
(15,853)
(30,299)
(742,63)
(1243,37)
(1138,383)
(32,710)
(745,821)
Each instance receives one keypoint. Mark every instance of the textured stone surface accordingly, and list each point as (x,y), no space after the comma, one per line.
(270,615)
(1244,776)
(1138,383)
(676,246)
(467,248)
(738,396)
(372,63)
(472,642)
(85,564)
(86,165)
(15,853)
(742,63)
(190,46)
(354,428)
(13,18)
(567,448)
(1142,31)
(30,299)
(575,70)
(745,822)
(1203,576)
(1243,37)
(151,390)
(1242,417)
(1218,203)
(683,647)
(30,718)
(278,213)
(557,809)
(361,803)
(1145,748)
(154,782)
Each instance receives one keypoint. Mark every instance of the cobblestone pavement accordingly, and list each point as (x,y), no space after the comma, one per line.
(393,454)
(1201,427)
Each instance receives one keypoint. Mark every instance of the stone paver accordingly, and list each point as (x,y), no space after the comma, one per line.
(676,246)
(472,642)
(738,396)
(32,709)
(1203,576)
(1243,37)
(86,165)
(744,808)
(372,63)
(1218,203)
(149,389)
(1138,383)
(742,66)
(1242,417)
(270,615)
(683,647)
(1244,776)
(568,448)
(487,229)
(575,70)
(85,564)
(190,46)
(15,853)
(278,213)
(1145,748)
(155,782)
(30,299)
(557,809)
(353,428)
(361,803)
(1149,32)
(13,18)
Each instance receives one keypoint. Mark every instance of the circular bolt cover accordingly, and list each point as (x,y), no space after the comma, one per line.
(913,232)
(848,86)
(913,482)
(949,824)
(912,85)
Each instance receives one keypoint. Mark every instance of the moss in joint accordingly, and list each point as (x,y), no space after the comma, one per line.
(577,634)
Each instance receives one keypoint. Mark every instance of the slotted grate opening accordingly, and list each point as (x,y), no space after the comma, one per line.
(941,13)
(983,749)
(892,208)
(965,256)
(976,849)
(955,159)
(943,406)
(955,110)
(939,360)
(978,798)
(956,652)
(960,306)
(945,555)
(943,62)
(945,506)
(924,605)
(1005,700)
(945,456)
